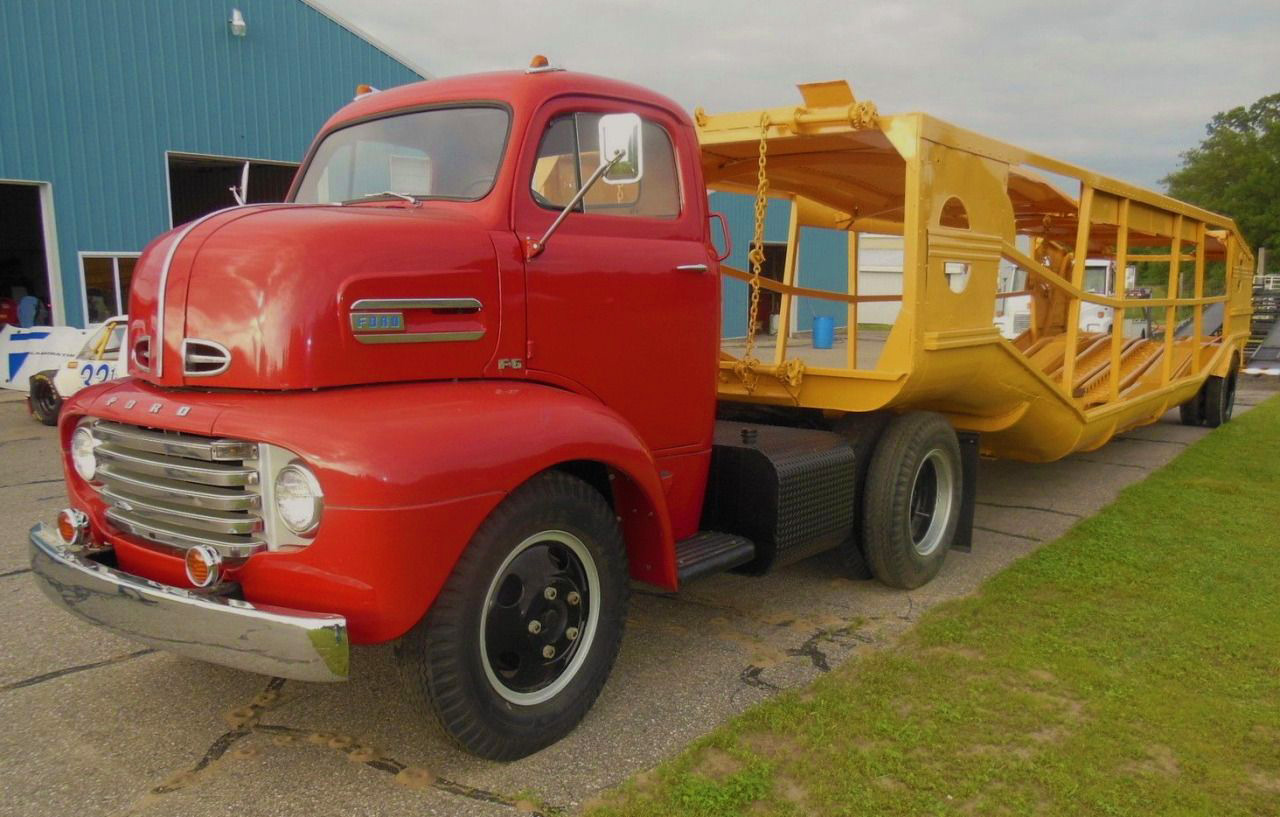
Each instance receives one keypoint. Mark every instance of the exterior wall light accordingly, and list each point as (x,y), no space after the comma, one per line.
(238,26)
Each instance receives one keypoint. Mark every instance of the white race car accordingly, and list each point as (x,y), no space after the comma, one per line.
(101,359)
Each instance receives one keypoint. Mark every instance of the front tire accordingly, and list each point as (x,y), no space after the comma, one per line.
(43,399)
(912,504)
(521,640)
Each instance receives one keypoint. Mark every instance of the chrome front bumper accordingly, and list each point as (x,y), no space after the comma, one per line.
(258,638)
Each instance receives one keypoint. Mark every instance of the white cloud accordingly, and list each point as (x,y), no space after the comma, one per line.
(1115,85)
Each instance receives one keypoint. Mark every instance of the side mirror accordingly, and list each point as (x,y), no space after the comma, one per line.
(620,153)
(620,163)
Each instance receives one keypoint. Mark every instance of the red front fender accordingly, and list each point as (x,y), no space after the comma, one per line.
(409,472)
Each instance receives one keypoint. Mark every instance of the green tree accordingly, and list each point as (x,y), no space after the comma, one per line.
(1236,170)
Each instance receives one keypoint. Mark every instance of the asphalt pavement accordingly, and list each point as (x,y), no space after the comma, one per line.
(97,725)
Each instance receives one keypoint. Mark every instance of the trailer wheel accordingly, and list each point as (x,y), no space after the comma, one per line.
(520,641)
(912,502)
(43,399)
(1191,413)
(1220,397)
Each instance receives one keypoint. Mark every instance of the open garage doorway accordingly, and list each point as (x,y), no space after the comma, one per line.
(26,297)
(203,184)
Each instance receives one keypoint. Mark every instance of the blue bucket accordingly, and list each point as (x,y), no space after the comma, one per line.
(824,331)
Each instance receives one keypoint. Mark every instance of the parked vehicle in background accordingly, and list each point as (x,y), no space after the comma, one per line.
(101,359)
(1013,314)
(1100,279)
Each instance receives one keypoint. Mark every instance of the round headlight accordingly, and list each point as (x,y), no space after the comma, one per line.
(82,445)
(299,499)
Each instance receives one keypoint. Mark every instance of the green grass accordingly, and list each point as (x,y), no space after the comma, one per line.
(1130,668)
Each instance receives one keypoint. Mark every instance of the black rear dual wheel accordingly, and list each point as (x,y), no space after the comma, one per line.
(911,500)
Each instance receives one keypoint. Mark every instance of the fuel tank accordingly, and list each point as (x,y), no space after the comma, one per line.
(288,296)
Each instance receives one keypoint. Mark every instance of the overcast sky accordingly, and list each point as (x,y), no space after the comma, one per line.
(1120,87)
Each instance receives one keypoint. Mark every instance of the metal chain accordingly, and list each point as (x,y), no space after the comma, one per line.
(756,253)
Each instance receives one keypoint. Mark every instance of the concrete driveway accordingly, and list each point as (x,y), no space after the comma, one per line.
(96,725)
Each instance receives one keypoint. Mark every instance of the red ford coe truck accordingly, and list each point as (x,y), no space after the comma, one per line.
(456,392)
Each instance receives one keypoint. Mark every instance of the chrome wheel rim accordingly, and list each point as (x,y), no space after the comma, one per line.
(929,508)
(540,617)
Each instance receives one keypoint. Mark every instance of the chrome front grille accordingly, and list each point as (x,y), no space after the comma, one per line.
(181,490)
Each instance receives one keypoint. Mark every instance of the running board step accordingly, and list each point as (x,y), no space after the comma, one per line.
(710,551)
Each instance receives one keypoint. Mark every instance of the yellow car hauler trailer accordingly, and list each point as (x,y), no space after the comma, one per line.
(963,204)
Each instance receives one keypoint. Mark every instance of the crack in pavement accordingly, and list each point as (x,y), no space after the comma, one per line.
(1149,440)
(751,677)
(49,676)
(751,674)
(32,482)
(1030,508)
(911,605)
(1007,533)
(809,649)
(245,721)
(684,598)
(17,572)
(1112,464)
(19,440)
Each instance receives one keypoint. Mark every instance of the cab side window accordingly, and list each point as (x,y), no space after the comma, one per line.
(570,153)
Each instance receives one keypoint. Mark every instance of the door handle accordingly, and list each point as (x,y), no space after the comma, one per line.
(692,268)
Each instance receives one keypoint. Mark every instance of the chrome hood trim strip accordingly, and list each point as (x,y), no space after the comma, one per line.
(157,352)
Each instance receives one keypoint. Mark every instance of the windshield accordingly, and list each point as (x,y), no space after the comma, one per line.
(90,350)
(447,153)
(1095,280)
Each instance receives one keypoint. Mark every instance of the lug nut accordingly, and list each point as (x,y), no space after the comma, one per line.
(535,626)
(571,633)
(573,598)
(549,594)
(548,651)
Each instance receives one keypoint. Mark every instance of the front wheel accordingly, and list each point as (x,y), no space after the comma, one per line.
(519,643)
(911,507)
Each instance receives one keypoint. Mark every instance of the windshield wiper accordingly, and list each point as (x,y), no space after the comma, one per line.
(367,196)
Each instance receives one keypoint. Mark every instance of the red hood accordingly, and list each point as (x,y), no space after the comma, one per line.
(275,285)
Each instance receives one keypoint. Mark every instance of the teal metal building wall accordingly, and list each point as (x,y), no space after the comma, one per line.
(94,92)
(822,264)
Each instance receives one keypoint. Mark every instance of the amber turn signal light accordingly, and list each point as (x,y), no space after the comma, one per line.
(73,526)
(203,565)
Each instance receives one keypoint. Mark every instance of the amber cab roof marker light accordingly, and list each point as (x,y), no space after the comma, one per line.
(540,65)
